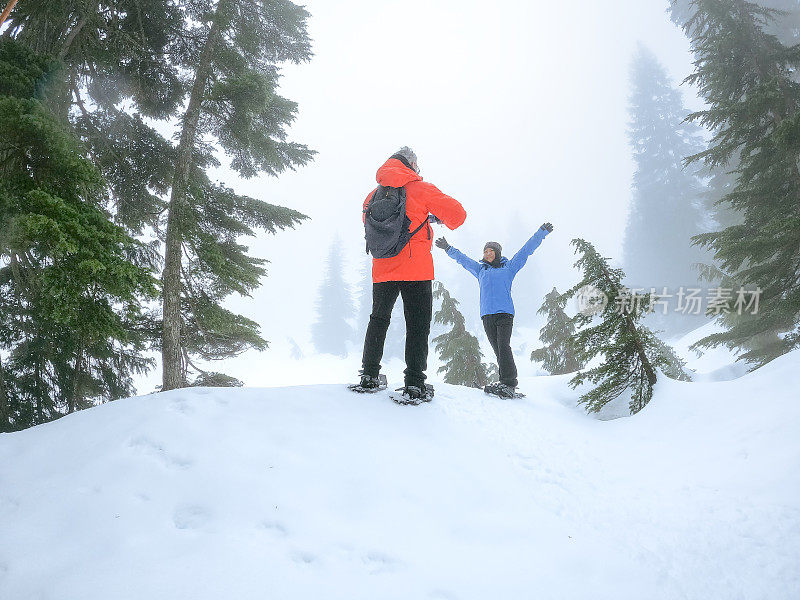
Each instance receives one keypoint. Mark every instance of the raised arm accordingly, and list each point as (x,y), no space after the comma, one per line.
(521,257)
(470,265)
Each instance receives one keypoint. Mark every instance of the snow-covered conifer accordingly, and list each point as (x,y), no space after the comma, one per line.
(458,349)
(748,79)
(331,330)
(631,353)
(558,356)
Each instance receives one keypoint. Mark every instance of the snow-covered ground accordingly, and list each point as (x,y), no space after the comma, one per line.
(316,493)
(710,364)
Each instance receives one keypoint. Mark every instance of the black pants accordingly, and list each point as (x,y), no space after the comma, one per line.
(418,309)
(498,329)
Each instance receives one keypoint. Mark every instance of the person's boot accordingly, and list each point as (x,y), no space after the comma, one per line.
(500,389)
(505,390)
(413,395)
(492,388)
(369,384)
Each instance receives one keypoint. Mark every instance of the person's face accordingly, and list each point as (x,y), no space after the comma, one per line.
(488,254)
(415,166)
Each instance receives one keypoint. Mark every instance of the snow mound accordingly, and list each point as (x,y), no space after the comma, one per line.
(709,364)
(314,492)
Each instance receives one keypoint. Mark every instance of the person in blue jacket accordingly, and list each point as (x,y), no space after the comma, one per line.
(495,274)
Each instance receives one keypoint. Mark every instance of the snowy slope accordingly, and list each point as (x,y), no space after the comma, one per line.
(710,364)
(316,493)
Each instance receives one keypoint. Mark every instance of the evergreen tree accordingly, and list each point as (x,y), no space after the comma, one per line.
(118,53)
(211,66)
(559,356)
(758,343)
(331,331)
(748,80)
(666,208)
(458,349)
(632,355)
(229,52)
(785,24)
(295,352)
(722,178)
(70,291)
(213,379)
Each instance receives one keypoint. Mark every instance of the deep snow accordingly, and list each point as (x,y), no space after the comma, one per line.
(316,493)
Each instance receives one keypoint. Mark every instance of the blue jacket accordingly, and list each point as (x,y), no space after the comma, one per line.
(495,282)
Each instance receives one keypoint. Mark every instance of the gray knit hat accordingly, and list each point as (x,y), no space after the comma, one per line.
(498,249)
(408,154)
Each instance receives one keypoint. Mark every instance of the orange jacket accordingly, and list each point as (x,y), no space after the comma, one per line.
(415,262)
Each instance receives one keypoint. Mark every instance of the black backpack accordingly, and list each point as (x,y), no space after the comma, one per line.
(386,223)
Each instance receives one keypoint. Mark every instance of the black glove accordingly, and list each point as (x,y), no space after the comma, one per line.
(434,219)
(548,227)
(442,243)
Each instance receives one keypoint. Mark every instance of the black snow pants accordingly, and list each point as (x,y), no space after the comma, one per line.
(498,329)
(418,310)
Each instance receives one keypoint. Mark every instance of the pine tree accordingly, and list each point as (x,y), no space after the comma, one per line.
(295,352)
(785,25)
(719,181)
(632,355)
(120,53)
(331,331)
(559,356)
(212,67)
(231,51)
(666,208)
(458,349)
(70,288)
(748,80)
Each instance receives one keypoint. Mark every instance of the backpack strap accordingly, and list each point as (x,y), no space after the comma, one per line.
(418,228)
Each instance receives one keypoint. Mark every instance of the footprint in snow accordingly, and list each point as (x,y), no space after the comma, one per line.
(182,406)
(304,558)
(156,450)
(378,562)
(274,527)
(190,517)
(8,504)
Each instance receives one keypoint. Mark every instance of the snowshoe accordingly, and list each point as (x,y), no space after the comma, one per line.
(412,395)
(501,390)
(369,384)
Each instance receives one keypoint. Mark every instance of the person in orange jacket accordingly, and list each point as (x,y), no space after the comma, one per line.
(408,274)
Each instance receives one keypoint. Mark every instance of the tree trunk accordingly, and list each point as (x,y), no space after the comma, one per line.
(631,327)
(71,37)
(5,425)
(39,392)
(173,370)
(74,398)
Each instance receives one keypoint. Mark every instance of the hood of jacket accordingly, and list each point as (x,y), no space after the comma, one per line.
(393,173)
